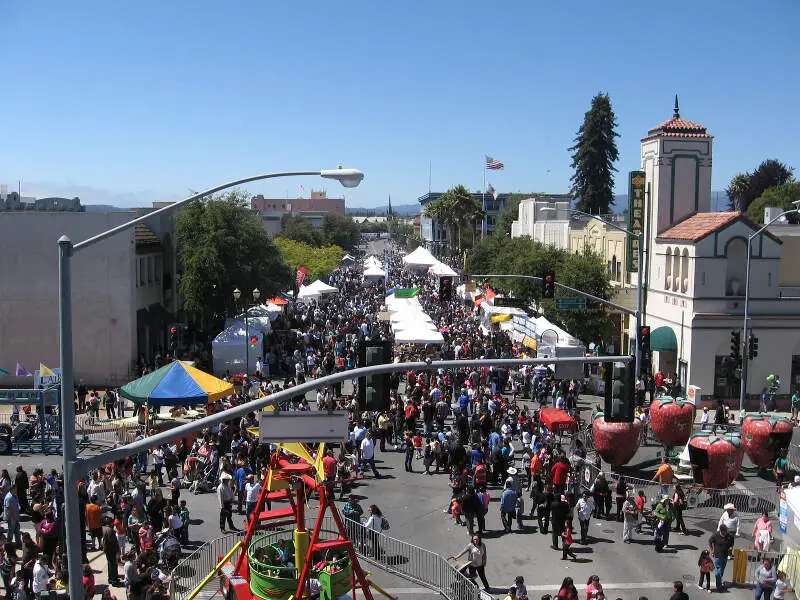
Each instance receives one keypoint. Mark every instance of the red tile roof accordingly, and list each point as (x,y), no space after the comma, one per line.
(145,236)
(699,226)
(678,127)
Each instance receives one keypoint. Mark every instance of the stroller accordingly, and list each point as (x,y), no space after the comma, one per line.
(169,551)
(206,481)
(192,469)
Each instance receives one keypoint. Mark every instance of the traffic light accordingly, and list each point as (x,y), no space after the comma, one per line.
(253,341)
(736,345)
(373,390)
(549,285)
(620,392)
(445,288)
(644,338)
(173,339)
(752,346)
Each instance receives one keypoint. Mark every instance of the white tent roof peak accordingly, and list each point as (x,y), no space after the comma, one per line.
(420,257)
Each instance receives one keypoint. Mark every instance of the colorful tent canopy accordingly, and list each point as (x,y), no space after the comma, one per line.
(176,384)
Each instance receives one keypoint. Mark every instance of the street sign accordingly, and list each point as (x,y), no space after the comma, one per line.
(570,303)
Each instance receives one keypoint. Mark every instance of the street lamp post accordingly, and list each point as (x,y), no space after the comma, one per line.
(256,295)
(640,291)
(71,463)
(746,321)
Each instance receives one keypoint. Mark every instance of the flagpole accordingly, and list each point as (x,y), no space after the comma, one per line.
(483,194)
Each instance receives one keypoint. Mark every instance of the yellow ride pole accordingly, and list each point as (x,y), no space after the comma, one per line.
(213,573)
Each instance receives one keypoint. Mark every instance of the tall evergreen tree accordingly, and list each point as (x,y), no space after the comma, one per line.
(594,154)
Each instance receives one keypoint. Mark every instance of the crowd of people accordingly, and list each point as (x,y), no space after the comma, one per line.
(479,426)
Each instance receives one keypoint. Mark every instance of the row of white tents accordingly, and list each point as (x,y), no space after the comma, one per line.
(409,323)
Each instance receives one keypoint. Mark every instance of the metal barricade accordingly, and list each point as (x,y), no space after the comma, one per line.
(747,562)
(408,561)
(191,571)
(748,501)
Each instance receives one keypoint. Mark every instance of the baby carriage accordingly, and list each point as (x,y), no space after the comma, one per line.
(192,469)
(169,551)
(206,481)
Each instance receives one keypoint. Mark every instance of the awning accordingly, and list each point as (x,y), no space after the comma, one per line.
(662,339)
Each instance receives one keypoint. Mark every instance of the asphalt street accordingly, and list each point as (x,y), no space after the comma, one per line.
(415,504)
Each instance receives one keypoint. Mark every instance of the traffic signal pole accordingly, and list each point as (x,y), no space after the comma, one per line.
(637,314)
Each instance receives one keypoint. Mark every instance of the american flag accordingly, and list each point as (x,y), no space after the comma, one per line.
(493,164)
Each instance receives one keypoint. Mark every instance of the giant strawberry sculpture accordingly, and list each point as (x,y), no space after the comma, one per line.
(724,457)
(760,443)
(671,420)
(616,443)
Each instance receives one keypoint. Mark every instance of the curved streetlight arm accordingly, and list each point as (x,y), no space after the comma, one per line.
(170,207)
(746,321)
(72,542)
(575,211)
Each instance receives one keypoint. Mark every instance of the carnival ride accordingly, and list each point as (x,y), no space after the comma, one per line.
(273,562)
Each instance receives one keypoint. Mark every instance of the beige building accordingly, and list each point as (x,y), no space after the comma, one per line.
(119,290)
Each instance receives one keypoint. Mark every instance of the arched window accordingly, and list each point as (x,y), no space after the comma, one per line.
(676,270)
(668,270)
(736,263)
(684,271)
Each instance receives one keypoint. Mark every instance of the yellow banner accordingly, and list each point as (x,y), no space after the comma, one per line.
(529,342)
(500,318)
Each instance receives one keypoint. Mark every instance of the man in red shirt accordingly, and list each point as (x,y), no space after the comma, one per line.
(329,466)
(558,474)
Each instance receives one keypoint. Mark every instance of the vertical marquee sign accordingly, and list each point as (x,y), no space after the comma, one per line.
(636,194)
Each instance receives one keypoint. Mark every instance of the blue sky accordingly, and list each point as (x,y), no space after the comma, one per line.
(130,102)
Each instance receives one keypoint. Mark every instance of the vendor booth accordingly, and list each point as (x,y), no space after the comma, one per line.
(557,421)
(420,259)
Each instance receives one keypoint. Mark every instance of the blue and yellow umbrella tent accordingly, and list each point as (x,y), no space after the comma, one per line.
(176,384)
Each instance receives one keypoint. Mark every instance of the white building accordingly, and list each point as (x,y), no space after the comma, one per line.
(543,220)
(118,291)
(697,262)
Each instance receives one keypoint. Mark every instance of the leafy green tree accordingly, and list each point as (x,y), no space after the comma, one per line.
(298,228)
(589,273)
(738,192)
(319,261)
(223,245)
(781,196)
(524,256)
(594,154)
(745,188)
(455,209)
(340,231)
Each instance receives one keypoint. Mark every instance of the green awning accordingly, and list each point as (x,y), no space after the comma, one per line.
(662,339)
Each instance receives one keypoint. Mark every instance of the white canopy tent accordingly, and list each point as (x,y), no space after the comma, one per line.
(543,326)
(371,261)
(374,272)
(410,316)
(418,336)
(323,288)
(394,304)
(420,258)
(307,293)
(439,269)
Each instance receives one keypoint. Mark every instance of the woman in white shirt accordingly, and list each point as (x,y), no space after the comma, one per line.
(374,524)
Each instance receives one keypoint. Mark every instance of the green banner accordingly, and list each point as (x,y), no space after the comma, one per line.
(636,213)
(406,292)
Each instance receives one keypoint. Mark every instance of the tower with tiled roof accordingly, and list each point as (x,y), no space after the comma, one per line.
(676,157)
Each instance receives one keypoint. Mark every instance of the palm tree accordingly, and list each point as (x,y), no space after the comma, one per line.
(738,192)
(439,211)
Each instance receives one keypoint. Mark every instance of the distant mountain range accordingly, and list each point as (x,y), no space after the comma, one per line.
(398,209)
(103,208)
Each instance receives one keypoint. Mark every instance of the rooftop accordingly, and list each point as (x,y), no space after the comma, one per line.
(144,236)
(701,225)
(678,127)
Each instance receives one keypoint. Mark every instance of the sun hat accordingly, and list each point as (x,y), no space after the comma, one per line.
(729,506)
(511,471)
